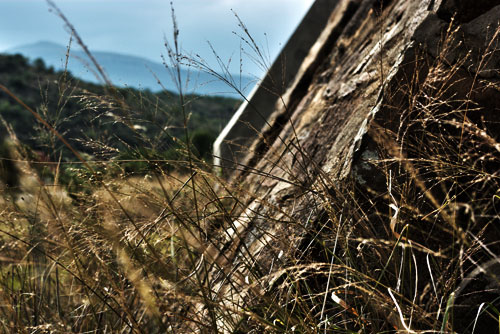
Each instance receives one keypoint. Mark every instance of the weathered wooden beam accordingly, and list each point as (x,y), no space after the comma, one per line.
(244,127)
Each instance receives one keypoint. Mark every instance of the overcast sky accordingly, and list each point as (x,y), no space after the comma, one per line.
(137,27)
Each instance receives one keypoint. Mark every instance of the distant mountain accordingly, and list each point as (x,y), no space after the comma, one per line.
(127,71)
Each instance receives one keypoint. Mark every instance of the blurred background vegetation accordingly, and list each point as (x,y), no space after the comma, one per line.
(151,123)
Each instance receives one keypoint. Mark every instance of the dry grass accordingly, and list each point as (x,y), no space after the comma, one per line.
(154,253)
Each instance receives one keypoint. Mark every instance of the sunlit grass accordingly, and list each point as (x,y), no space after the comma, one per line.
(166,250)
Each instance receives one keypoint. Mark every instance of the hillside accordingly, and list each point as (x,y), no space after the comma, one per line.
(96,122)
(127,70)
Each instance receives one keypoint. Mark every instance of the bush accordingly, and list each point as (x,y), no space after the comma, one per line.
(9,174)
(203,141)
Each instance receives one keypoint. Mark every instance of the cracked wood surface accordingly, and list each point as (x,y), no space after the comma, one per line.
(318,128)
